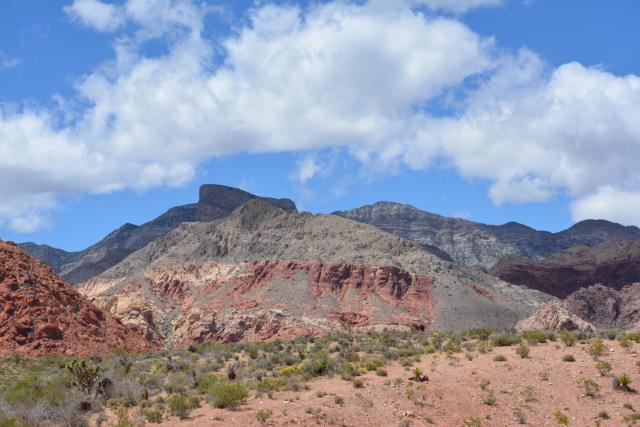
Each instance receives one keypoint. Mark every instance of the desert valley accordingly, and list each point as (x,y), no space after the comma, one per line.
(240,310)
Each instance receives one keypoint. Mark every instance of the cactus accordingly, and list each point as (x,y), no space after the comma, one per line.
(84,376)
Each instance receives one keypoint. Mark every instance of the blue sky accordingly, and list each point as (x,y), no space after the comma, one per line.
(73,77)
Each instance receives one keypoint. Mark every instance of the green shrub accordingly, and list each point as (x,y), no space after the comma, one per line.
(535,337)
(358,383)
(381,372)
(589,386)
(603,367)
(490,400)
(177,382)
(568,338)
(263,415)
(181,406)
(122,418)
(622,382)
(499,358)
(568,358)
(504,340)
(204,382)
(227,394)
(522,351)
(430,349)
(338,400)
(596,348)
(152,416)
(561,418)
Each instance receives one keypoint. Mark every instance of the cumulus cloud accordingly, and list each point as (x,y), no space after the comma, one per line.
(609,203)
(338,74)
(96,14)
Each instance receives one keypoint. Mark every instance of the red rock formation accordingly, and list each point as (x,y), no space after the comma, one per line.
(40,313)
(266,300)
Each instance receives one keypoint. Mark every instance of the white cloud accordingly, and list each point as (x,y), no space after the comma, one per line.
(96,14)
(337,74)
(307,169)
(609,203)
(7,61)
(457,6)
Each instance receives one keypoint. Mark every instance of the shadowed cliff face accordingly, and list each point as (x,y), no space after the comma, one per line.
(215,202)
(265,300)
(41,314)
(480,245)
(612,264)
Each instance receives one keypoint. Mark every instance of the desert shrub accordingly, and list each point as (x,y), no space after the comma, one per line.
(520,416)
(623,383)
(535,337)
(381,372)
(522,350)
(568,358)
(490,400)
(634,336)
(624,341)
(84,375)
(204,382)
(589,386)
(430,349)
(480,333)
(227,394)
(484,384)
(152,416)
(568,338)
(596,348)
(358,383)
(122,418)
(499,358)
(483,347)
(263,415)
(603,414)
(603,367)
(504,340)
(338,400)
(371,363)
(181,405)
(319,364)
(178,382)
(561,418)
(609,334)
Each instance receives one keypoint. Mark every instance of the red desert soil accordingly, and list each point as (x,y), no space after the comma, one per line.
(538,386)
(41,314)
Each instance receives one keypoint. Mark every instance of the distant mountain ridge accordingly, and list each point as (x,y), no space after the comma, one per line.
(215,202)
(479,245)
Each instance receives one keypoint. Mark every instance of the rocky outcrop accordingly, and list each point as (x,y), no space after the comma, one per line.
(590,308)
(215,202)
(606,307)
(613,264)
(285,270)
(480,245)
(265,300)
(41,314)
(555,317)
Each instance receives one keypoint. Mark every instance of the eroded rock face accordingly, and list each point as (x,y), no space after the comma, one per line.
(606,307)
(555,317)
(589,308)
(40,313)
(613,264)
(265,300)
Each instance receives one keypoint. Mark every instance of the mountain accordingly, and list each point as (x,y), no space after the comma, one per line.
(265,273)
(215,202)
(41,314)
(592,307)
(480,245)
(613,264)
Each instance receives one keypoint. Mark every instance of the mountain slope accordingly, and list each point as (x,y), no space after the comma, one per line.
(480,245)
(266,269)
(41,314)
(614,264)
(215,202)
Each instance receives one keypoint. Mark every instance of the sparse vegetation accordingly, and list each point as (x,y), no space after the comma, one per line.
(522,351)
(499,358)
(568,358)
(604,368)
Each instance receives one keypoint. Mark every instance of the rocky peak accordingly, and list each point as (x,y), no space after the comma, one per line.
(218,201)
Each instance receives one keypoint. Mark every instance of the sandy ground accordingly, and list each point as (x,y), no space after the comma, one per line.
(537,387)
